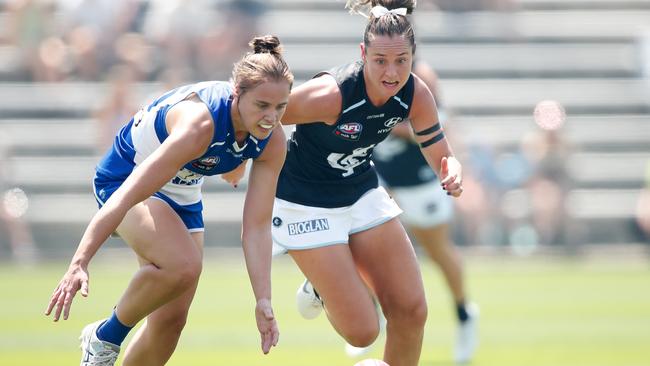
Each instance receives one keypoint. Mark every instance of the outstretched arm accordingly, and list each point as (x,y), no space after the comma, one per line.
(256,233)
(188,139)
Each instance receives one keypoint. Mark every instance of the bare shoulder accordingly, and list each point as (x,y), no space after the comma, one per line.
(317,100)
(190,115)
(423,109)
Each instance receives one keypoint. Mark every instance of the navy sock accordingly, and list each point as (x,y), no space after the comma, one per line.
(113,331)
(461,312)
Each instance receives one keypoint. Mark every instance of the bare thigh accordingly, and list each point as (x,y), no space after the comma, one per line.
(334,275)
(386,259)
(158,236)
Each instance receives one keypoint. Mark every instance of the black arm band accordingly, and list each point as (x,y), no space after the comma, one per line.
(433,140)
(429,130)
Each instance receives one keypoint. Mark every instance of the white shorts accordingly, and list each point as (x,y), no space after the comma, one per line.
(425,205)
(298,227)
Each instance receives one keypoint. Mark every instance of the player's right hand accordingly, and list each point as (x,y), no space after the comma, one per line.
(267,325)
(75,279)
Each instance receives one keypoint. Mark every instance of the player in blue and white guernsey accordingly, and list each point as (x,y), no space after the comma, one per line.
(338,225)
(149,188)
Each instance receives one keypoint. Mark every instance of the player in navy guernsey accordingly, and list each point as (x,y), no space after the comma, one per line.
(149,189)
(328,178)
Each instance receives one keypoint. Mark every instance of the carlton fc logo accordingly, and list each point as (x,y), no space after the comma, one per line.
(207,163)
(349,131)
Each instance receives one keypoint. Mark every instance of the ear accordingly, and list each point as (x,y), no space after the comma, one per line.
(363,51)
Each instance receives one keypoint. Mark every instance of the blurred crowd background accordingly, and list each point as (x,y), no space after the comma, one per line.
(548,105)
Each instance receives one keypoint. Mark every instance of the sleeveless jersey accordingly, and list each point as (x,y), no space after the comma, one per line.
(329,166)
(400,163)
(146,131)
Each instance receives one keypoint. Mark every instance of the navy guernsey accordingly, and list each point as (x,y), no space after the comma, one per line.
(330,166)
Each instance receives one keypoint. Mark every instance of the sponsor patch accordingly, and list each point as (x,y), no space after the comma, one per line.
(277,222)
(207,163)
(349,131)
(390,123)
(310,226)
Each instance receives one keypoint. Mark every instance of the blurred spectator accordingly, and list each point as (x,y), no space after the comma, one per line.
(238,21)
(13,204)
(548,184)
(30,24)
(117,108)
(176,27)
(479,212)
(90,28)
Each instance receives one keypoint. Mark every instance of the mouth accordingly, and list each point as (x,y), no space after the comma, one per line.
(266,126)
(390,84)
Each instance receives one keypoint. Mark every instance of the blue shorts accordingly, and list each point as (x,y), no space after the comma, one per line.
(192,215)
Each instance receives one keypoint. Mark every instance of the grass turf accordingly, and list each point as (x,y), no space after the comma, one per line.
(537,311)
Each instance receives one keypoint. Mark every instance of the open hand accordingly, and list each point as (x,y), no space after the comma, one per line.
(266,324)
(75,279)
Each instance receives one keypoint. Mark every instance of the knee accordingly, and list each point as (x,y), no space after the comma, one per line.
(412,312)
(188,275)
(362,336)
(183,274)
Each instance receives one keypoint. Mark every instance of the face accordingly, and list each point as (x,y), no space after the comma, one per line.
(261,108)
(388,62)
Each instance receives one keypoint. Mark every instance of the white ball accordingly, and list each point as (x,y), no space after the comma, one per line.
(371,362)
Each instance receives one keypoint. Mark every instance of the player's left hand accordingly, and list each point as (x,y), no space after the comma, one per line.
(234,176)
(266,324)
(451,176)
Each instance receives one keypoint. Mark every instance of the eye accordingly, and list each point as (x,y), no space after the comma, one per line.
(380,61)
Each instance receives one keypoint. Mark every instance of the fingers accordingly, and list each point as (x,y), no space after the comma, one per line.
(452,185)
(61,299)
(276,336)
(444,166)
(84,288)
(270,338)
(266,342)
(59,306)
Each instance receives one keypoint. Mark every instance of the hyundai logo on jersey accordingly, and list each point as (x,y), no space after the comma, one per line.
(390,123)
(349,131)
(206,163)
(310,226)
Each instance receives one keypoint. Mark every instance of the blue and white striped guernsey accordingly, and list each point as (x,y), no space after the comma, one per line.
(146,131)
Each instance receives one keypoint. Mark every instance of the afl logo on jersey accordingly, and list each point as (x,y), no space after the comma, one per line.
(349,131)
(392,122)
(206,163)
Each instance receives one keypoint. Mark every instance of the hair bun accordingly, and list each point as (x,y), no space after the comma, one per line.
(266,44)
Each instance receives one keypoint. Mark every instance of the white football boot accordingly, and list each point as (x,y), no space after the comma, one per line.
(308,302)
(467,337)
(95,352)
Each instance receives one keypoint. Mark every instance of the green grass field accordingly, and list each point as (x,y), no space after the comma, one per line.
(534,312)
